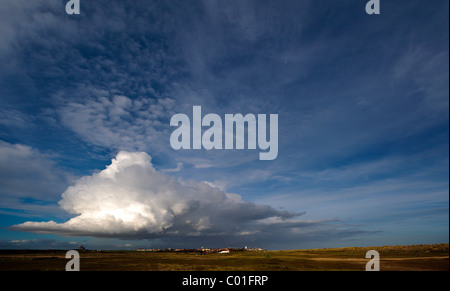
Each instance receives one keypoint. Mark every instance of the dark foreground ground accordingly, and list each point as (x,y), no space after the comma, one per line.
(392,258)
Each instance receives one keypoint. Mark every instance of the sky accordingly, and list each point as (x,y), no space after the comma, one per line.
(86,103)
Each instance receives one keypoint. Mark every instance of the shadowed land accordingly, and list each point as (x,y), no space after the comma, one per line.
(392,258)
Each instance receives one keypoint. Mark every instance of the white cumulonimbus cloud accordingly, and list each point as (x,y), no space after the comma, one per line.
(130,199)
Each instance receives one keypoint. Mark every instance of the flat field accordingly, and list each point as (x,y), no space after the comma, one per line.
(392,258)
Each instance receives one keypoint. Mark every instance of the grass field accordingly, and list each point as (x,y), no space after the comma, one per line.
(393,258)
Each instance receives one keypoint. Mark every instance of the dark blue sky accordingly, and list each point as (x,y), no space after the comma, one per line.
(363,121)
